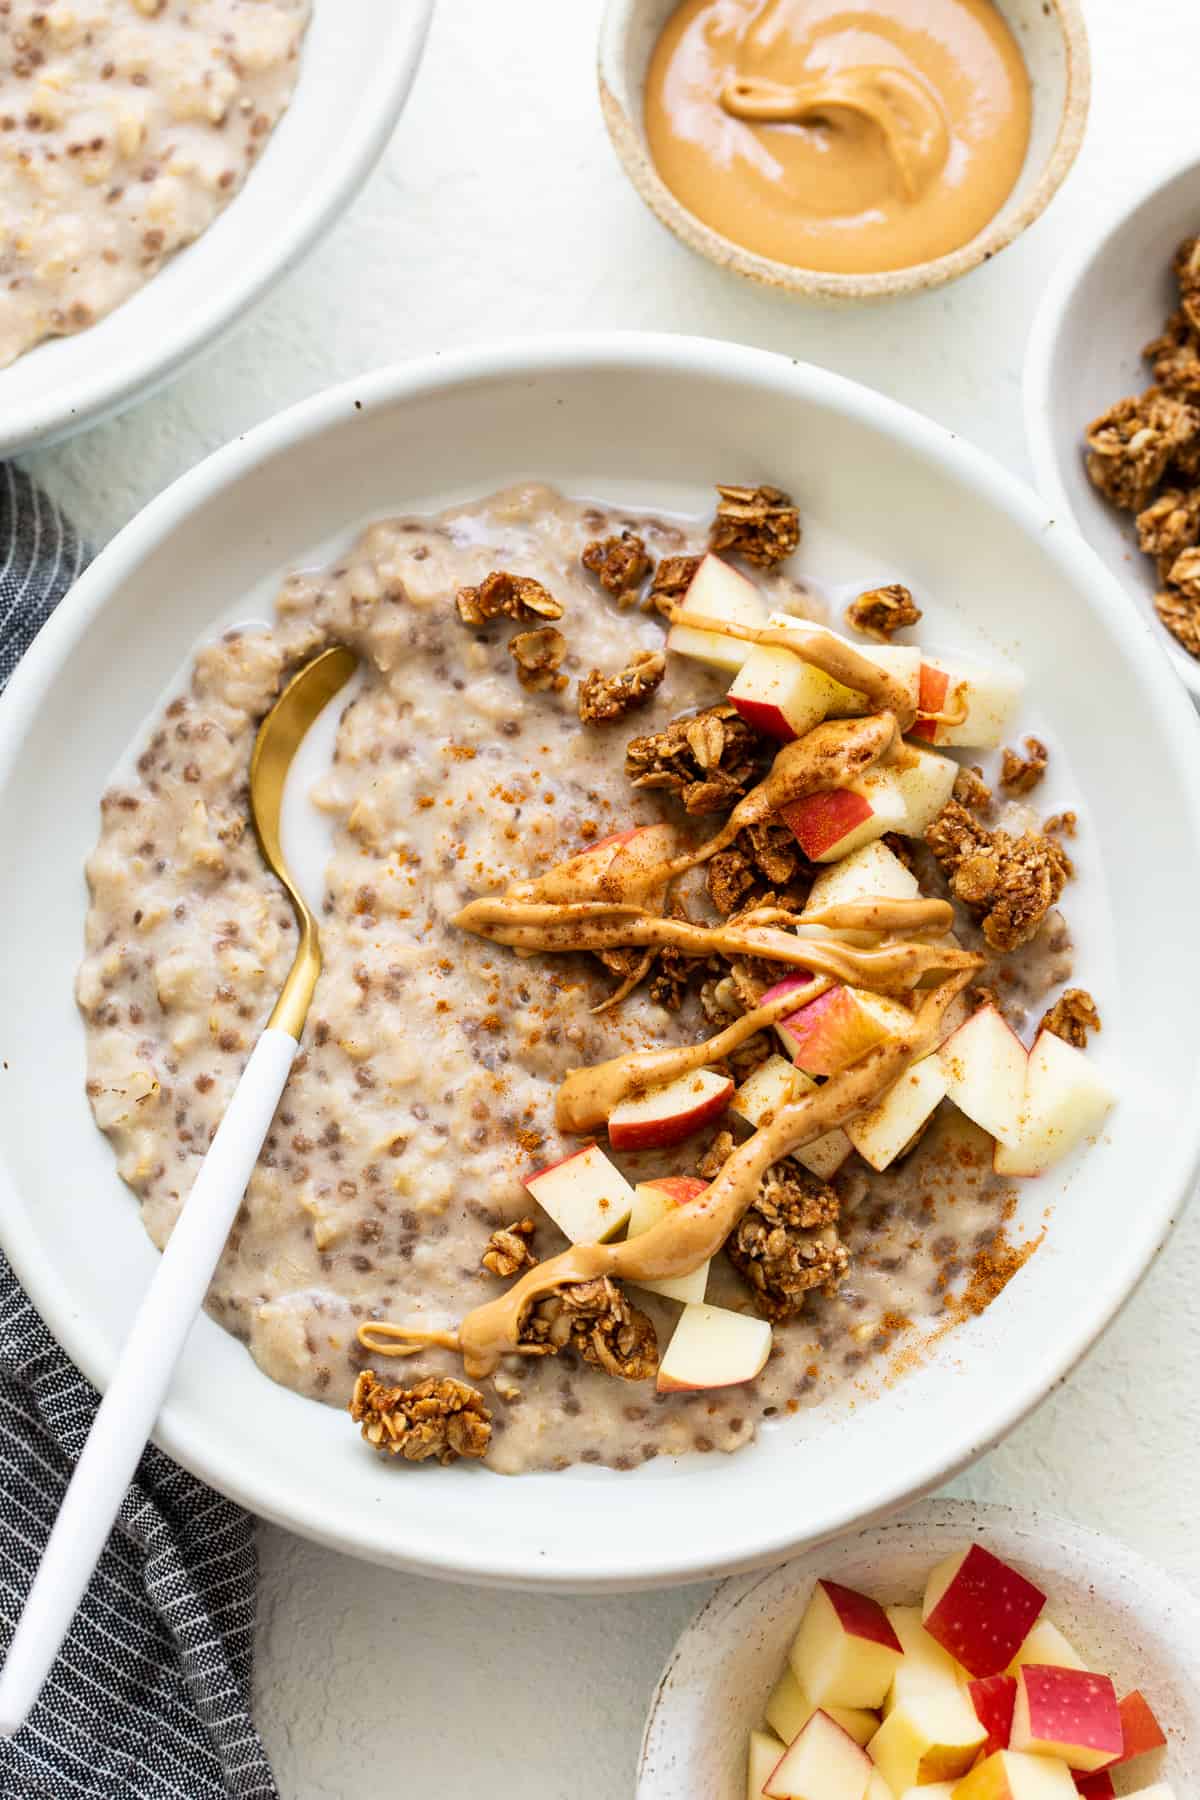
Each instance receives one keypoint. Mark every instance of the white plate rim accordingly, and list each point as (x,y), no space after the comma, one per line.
(1041,350)
(525,359)
(65,410)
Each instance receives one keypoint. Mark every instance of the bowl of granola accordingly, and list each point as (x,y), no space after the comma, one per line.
(168,165)
(1112,402)
(704,1071)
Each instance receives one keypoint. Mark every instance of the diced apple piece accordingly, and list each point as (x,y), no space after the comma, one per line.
(1096,1787)
(901,661)
(1010,1775)
(987,698)
(712,1347)
(773,1084)
(1068,1713)
(652,1201)
(1141,1731)
(928,1790)
(980,1609)
(824,1763)
(984,1063)
(836,821)
(993,1698)
(885,1129)
(789,1709)
(717,591)
(878,1789)
(838,1027)
(584,1194)
(845,1652)
(1066,1100)
(925,1663)
(667,1115)
(925,782)
(872,873)
(764,1755)
(930,1734)
(1048,1648)
(776,693)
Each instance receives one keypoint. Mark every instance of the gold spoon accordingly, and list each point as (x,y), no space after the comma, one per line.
(177,1288)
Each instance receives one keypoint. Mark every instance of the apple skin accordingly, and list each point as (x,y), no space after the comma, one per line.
(1068,1713)
(1141,1731)
(679,1189)
(860,1616)
(820,821)
(993,1699)
(980,1610)
(700,1097)
(1096,1787)
(931,698)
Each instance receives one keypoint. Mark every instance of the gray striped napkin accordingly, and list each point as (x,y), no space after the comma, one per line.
(150,1699)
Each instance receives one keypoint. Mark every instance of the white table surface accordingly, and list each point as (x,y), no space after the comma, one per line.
(498,209)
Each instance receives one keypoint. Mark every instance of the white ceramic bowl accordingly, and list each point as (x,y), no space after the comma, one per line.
(1109,296)
(1125,1616)
(1053,40)
(651,420)
(357,67)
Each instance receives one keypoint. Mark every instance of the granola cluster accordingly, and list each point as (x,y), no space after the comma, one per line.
(1021,774)
(509,1250)
(881,612)
(620,564)
(786,1244)
(537,655)
(759,523)
(594,1319)
(1071,1017)
(437,1417)
(502,595)
(1009,882)
(1144,455)
(710,759)
(603,698)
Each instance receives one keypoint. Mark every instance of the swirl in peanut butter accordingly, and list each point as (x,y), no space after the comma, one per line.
(846,138)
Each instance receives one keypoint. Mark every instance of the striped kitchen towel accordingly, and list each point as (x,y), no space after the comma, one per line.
(150,1699)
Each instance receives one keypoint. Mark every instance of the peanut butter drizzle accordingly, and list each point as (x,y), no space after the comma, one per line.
(840,661)
(692,1233)
(884,916)
(897,104)
(526,926)
(847,138)
(587,1096)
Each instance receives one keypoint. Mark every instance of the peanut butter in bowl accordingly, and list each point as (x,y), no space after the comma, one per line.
(850,139)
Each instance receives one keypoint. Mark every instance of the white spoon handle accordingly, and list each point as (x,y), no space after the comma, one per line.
(140,1381)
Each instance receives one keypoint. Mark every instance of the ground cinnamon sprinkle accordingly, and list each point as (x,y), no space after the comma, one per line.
(991,1271)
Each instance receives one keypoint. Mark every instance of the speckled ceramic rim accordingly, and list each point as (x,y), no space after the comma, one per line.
(815,284)
(1159,1608)
(119,379)
(1042,351)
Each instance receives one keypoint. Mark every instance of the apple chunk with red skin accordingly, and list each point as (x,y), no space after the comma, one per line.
(1140,1730)
(652,1202)
(1012,1775)
(666,1115)
(778,694)
(587,1197)
(717,591)
(837,1028)
(834,822)
(1068,1713)
(980,1610)
(824,1763)
(712,1347)
(993,1698)
(988,699)
(846,1651)
(765,1753)
(1096,1787)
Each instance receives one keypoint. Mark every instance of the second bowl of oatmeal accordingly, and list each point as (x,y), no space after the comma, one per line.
(479,753)
(167,167)
(1113,326)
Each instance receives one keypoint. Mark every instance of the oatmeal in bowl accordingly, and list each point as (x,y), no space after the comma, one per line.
(698,984)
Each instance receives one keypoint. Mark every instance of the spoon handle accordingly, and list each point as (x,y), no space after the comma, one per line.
(139,1383)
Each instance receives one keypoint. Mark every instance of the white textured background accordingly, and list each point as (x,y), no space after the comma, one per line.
(499,209)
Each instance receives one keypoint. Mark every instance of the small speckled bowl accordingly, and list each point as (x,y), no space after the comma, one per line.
(1053,40)
(1125,1617)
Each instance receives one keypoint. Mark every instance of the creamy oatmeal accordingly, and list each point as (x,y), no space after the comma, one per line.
(126,126)
(425,1092)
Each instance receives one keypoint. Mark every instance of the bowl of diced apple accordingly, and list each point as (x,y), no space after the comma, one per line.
(960,1652)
